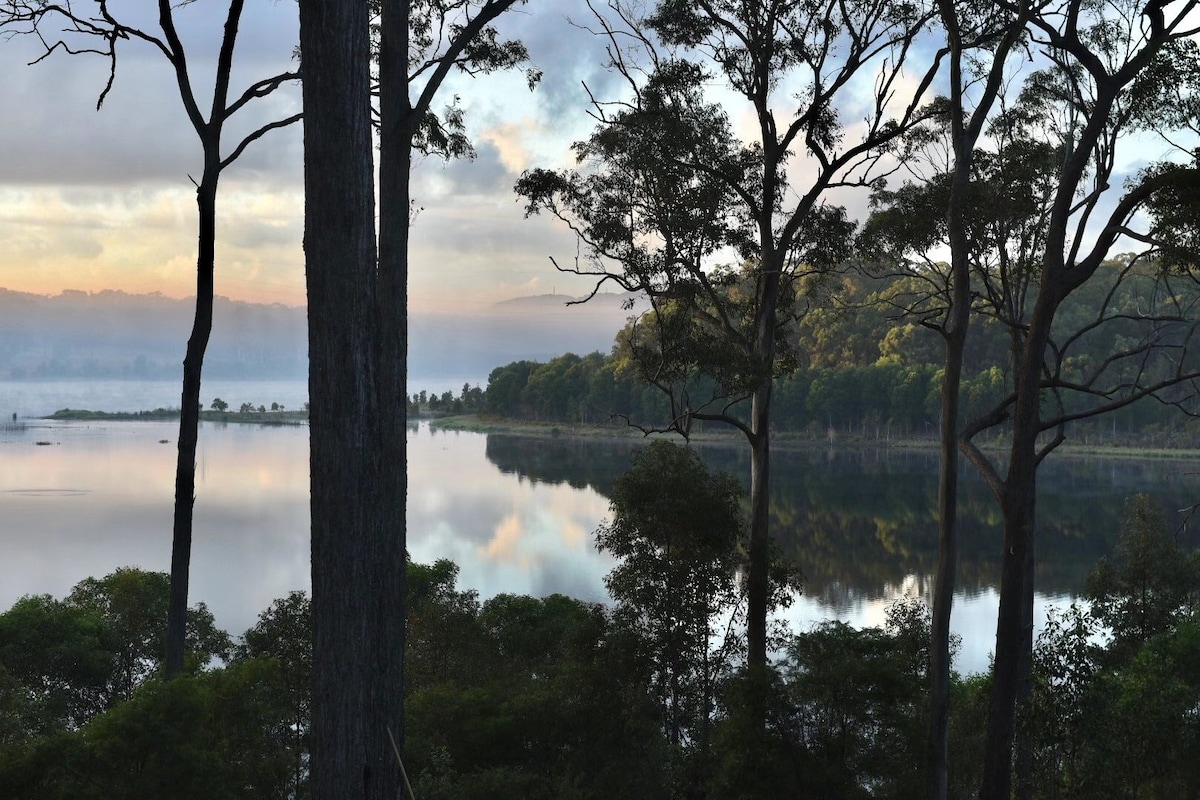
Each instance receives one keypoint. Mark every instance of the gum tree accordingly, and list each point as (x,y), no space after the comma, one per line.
(671,187)
(1040,218)
(1104,65)
(357,305)
(101,32)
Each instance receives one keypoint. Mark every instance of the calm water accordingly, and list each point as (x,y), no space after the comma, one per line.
(517,514)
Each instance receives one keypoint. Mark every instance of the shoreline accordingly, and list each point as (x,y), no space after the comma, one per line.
(172,414)
(472,423)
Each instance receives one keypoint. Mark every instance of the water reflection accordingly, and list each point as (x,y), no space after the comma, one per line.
(517,514)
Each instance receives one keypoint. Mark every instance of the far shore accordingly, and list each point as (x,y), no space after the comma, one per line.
(785,440)
(167,414)
(475,423)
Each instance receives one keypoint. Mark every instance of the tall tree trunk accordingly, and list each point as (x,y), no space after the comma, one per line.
(351,759)
(757,580)
(955,336)
(943,593)
(1014,622)
(1023,762)
(388,557)
(758,584)
(189,419)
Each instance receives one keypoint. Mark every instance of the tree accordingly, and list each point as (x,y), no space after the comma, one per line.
(1037,222)
(358,350)
(79,657)
(219,405)
(1149,587)
(100,34)
(283,637)
(1084,104)
(676,531)
(979,40)
(351,544)
(669,190)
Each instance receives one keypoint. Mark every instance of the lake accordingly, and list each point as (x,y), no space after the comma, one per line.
(517,513)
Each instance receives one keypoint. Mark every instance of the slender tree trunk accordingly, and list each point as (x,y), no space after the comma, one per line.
(1023,763)
(757,584)
(758,589)
(189,420)
(955,335)
(350,759)
(943,593)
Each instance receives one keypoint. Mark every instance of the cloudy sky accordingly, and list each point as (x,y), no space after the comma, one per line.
(103,200)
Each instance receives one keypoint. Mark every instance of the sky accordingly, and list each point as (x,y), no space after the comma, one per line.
(95,200)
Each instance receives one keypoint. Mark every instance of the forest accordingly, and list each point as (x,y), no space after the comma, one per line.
(867,375)
(1004,156)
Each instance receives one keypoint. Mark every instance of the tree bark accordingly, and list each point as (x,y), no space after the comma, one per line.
(758,585)
(351,756)
(1014,621)
(189,422)
(943,593)
(387,559)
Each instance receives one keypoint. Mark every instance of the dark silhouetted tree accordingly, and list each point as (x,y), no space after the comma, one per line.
(100,32)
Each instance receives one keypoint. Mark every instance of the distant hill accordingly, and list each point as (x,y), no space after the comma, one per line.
(113,334)
(536,328)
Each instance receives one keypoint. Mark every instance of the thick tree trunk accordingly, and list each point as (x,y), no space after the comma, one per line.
(1014,622)
(189,423)
(351,756)
(388,556)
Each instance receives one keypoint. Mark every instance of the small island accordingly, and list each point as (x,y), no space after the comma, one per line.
(219,411)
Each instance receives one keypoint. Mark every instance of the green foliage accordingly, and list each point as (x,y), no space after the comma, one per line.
(194,737)
(1117,718)
(676,532)
(553,697)
(73,659)
(517,697)
(280,646)
(860,702)
(1150,585)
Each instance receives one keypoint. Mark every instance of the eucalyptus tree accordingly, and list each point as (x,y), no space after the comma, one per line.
(972,35)
(1106,65)
(100,32)
(668,191)
(1039,221)
(907,226)
(357,306)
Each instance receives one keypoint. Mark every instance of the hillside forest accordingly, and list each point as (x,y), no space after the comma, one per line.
(868,373)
